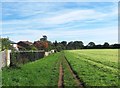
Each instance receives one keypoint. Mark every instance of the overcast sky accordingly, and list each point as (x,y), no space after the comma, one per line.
(83,21)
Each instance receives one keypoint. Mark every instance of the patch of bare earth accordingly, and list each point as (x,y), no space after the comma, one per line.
(61,74)
(60,81)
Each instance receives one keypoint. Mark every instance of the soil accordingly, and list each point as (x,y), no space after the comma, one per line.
(60,81)
(61,74)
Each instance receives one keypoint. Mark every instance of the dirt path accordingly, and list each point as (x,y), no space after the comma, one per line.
(61,74)
(60,81)
(79,84)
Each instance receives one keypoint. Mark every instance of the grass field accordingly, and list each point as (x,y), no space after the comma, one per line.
(42,72)
(94,67)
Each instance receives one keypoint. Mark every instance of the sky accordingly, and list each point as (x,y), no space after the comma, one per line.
(61,21)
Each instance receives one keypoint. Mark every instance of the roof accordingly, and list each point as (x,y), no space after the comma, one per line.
(26,42)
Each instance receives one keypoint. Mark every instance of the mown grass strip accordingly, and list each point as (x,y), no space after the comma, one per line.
(36,73)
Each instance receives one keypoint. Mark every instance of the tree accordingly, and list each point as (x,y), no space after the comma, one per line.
(91,45)
(45,44)
(41,45)
(64,43)
(55,43)
(5,43)
(78,44)
(38,45)
(70,45)
(59,47)
(106,45)
(115,46)
(44,38)
(50,46)
(98,46)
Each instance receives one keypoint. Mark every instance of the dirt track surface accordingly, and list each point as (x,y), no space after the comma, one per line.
(61,74)
(60,82)
(79,84)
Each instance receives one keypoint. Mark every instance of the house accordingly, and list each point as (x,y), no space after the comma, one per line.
(14,44)
(23,45)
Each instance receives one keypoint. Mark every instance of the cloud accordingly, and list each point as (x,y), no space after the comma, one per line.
(60,21)
(85,14)
(45,15)
(110,34)
(74,16)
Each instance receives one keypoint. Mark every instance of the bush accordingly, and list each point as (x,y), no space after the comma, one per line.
(18,58)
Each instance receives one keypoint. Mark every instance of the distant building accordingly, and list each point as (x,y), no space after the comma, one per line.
(22,45)
(14,45)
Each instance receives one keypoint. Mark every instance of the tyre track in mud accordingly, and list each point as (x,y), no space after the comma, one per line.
(77,79)
(61,74)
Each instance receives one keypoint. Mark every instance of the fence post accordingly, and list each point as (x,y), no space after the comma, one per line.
(8,57)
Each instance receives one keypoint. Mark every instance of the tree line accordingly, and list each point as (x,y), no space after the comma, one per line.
(44,44)
(80,45)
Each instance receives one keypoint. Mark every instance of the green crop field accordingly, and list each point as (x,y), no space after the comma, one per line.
(95,67)
(92,67)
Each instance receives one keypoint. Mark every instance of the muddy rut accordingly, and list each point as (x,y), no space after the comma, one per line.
(79,84)
(61,73)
